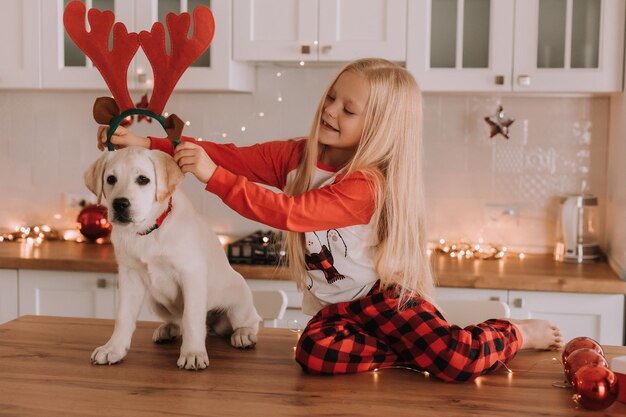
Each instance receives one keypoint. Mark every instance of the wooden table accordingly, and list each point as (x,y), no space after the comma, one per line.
(45,371)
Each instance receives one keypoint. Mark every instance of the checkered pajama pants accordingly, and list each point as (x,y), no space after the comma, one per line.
(370,333)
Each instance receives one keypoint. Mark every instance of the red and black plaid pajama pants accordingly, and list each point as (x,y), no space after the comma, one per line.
(370,333)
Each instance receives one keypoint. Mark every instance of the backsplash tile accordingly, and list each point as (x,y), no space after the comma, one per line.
(48,140)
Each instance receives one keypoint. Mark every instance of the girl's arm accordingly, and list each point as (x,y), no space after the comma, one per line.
(346,202)
(266,163)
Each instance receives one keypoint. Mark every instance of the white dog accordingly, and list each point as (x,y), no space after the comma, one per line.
(176,260)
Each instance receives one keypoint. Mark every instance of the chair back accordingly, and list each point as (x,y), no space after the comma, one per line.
(271,305)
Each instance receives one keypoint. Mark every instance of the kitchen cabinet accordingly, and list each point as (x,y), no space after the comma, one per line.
(319,30)
(506,45)
(8,295)
(64,293)
(65,66)
(20,52)
(599,316)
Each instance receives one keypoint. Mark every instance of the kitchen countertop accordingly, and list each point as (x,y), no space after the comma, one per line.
(45,370)
(533,273)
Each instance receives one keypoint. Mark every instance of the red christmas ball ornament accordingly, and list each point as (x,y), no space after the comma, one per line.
(579,343)
(93,223)
(581,357)
(595,387)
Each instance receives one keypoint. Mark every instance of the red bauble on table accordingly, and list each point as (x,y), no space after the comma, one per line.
(93,223)
(579,343)
(595,387)
(581,357)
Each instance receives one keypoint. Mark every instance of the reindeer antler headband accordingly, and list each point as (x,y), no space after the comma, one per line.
(113,64)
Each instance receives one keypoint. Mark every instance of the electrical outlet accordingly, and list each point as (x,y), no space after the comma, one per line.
(496,212)
(75,200)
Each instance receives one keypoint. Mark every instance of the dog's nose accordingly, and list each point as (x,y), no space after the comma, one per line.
(121,204)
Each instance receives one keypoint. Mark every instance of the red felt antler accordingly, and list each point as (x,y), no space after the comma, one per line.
(184,51)
(113,65)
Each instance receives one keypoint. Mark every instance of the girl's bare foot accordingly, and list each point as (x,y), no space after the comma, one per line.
(539,334)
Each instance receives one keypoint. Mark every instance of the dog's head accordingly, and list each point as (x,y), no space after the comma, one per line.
(136,182)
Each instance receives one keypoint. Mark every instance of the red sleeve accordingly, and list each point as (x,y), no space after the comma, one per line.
(346,202)
(266,163)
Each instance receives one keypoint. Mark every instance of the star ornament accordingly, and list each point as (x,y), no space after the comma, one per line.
(499,123)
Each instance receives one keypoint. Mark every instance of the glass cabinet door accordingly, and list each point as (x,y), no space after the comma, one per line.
(64,64)
(569,45)
(461,45)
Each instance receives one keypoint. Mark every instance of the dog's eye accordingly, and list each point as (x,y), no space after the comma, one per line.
(111,179)
(141,180)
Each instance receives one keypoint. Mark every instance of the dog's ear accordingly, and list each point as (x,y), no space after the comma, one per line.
(93,175)
(168,175)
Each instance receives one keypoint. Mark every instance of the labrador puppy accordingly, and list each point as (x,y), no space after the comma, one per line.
(167,252)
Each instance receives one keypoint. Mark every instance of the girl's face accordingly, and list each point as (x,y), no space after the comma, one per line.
(343,116)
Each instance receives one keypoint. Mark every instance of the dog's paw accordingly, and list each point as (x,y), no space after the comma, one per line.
(166,333)
(107,355)
(193,360)
(243,338)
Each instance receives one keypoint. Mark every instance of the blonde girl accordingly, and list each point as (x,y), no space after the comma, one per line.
(353,207)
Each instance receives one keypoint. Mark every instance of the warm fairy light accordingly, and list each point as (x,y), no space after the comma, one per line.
(442,241)
(478,381)
(522,255)
(187,123)
(243,128)
(429,252)
(224,135)
(301,63)
(57,217)
(315,42)
(166,114)
(279,74)
(199,139)
(280,98)
(261,114)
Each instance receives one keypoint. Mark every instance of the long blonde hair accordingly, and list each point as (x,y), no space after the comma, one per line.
(390,153)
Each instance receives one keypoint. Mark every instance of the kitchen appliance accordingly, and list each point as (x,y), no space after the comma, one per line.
(576,229)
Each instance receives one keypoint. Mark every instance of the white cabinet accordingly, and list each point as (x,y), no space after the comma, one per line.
(20,52)
(507,45)
(65,66)
(461,45)
(599,316)
(569,45)
(319,30)
(70,294)
(8,295)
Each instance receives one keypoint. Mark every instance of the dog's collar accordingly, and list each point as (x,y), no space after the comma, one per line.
(160,220)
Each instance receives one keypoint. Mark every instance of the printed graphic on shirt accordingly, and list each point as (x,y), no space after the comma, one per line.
(323,260)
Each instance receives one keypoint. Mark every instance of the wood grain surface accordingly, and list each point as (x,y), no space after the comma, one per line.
(534,273)
(45,371)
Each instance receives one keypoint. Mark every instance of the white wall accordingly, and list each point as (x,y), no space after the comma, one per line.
(47,140)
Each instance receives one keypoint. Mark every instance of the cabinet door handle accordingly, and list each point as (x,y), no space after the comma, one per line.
(326,49)
(518,302)
(499,79)
(101,283)
(494,298)
(523,80)
(305,49)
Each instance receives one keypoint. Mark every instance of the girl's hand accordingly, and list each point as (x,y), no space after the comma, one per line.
(121,138)
(192,158)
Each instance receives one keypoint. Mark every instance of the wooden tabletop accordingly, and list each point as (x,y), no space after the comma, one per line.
(534,273)
(45,371)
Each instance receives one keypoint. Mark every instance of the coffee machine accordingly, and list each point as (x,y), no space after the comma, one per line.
(577,230)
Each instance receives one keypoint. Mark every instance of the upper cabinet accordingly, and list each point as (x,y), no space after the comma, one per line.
(569,45)
(507,45)
(65,66)
(20,52)
(319,30)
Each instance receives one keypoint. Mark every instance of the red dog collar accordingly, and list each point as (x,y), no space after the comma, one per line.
(160,220)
